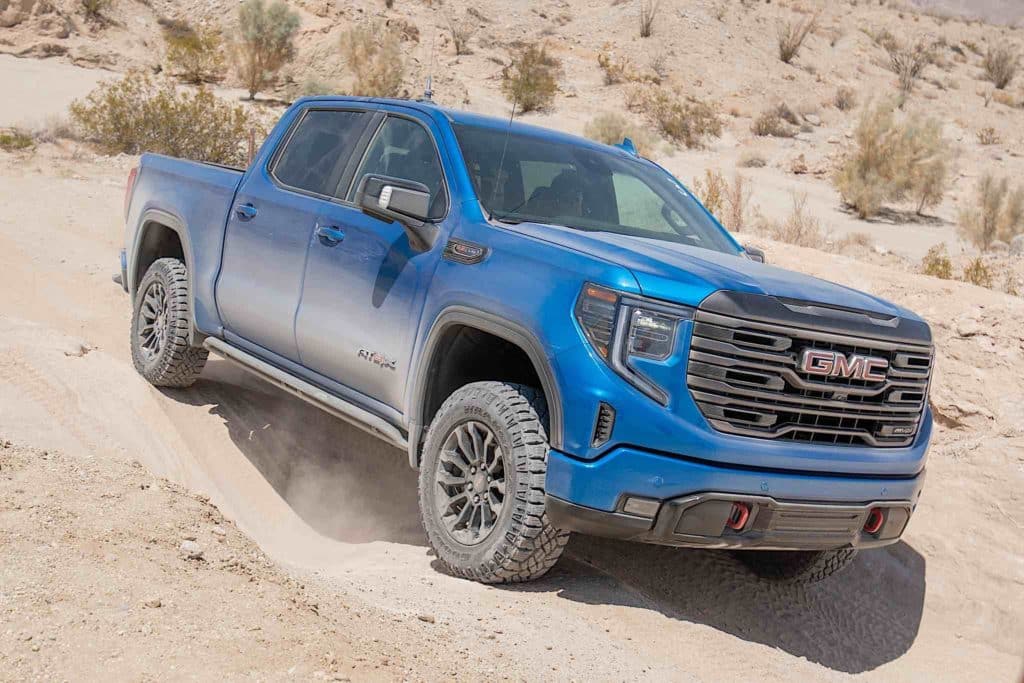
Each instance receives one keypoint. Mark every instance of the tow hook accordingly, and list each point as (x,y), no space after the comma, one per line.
(738,516)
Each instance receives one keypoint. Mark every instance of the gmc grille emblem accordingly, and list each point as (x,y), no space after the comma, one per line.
(834,364)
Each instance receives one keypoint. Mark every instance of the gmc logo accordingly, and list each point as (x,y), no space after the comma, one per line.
(833,364)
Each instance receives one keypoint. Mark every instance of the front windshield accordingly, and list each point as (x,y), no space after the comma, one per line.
(584,188)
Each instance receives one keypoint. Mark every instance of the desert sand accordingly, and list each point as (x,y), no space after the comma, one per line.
(313,564)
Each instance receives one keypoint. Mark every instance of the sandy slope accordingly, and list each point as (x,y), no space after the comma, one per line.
(337,509)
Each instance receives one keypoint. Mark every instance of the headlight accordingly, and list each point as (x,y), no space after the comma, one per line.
(623,328)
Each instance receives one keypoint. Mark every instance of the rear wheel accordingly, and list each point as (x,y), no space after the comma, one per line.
(161,349)
(796,566)
(481,487)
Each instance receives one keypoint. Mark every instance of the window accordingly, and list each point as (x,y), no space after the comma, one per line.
(582,186)
(404,149)
(315,156)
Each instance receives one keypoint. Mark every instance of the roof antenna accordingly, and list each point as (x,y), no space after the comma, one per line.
(428,92)
(504,148)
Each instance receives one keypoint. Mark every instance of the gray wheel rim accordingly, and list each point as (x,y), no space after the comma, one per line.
(152,331)
(470,482)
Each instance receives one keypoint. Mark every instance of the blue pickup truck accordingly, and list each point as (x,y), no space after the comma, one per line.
(556,332)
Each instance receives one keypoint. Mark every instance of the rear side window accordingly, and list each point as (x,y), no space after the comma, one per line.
(404,149)
(315,155)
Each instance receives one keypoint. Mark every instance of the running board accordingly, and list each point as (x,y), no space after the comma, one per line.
(310,393)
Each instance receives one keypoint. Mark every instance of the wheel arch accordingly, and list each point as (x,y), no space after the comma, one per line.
(161,235)
(426,372)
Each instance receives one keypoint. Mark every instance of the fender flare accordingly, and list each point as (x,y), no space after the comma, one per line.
(177,226)
(499,327)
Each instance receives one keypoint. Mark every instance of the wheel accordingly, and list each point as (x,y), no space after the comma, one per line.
(161,350)
(481,486)
(796,566)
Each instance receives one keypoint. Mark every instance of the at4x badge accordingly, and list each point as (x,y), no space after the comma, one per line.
(378,359)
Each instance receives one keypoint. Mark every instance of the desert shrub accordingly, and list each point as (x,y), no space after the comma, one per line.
(977,273)
(52,128)
(1005,98)
(15,140)
(265,42)
(531,80)
(752,160)
(462,31)
(615,70)
(937,264)
(845,98)
(711,191)
(94,9)
(686,121)
(373,54)
(611,129)
(791,36)
(196,55)
(997,213)
(892,160)
(857,239)
(1000,64)
(773,122)
(312,87)
(988,136)
(137,114)
(800,227)
(737,203)
(648,13)
(907,59)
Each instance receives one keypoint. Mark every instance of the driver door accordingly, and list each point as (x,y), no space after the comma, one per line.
(364,284)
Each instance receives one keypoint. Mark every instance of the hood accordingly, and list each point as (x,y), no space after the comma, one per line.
(687,275)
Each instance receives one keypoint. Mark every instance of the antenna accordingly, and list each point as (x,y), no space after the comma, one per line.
(504,148)
(428,92)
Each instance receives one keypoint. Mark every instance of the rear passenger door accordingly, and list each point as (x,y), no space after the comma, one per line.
(271,225)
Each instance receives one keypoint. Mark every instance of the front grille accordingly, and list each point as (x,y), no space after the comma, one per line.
(744,376)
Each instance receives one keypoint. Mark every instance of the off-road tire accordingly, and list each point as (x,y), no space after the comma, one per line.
(522,545)
(177,363)
(796,566)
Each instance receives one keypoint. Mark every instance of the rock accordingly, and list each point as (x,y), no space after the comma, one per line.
(999,247)
(219,531)
(812,119)
(1017,246)
(153,603)
(969,327)
(429,618)
(832,140)
(879,249)
(191,550)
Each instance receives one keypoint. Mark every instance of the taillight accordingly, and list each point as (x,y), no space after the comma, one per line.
(129,186)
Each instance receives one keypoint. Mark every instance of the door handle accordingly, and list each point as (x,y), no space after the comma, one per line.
(245,212)
(329,235)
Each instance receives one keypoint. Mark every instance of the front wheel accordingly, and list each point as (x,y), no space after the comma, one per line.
(796,566)
(481,485)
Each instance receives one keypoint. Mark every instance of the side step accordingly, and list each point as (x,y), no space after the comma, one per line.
(308,392)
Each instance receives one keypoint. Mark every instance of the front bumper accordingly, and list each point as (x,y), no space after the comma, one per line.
(688,503)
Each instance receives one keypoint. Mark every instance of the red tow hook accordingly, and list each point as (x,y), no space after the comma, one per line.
(738,516)
(874,521)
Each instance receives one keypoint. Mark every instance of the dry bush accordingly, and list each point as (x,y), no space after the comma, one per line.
(737,203)
(998,213)
(612,129)
(311,87)
(752,160)
(907,60)
(856,239)
(615,70)
(373,55)
(778,121)
(711,191)
(845,98)
(531,80)
(53,128)
(94,9)
(648,12)
(687,121)
(137,114)
(195,55)
(988,136)
(15,140)
(1000,64)
(937,264)
(791,36)
(264,44)
(659,68)
(977,273)
(800,227)
(894,160)
(1005,98)
(462,31)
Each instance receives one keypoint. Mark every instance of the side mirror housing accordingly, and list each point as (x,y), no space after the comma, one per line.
(397,199)
(754,254)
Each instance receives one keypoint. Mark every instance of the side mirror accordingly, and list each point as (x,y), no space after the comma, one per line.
(754,254)
(397,199)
